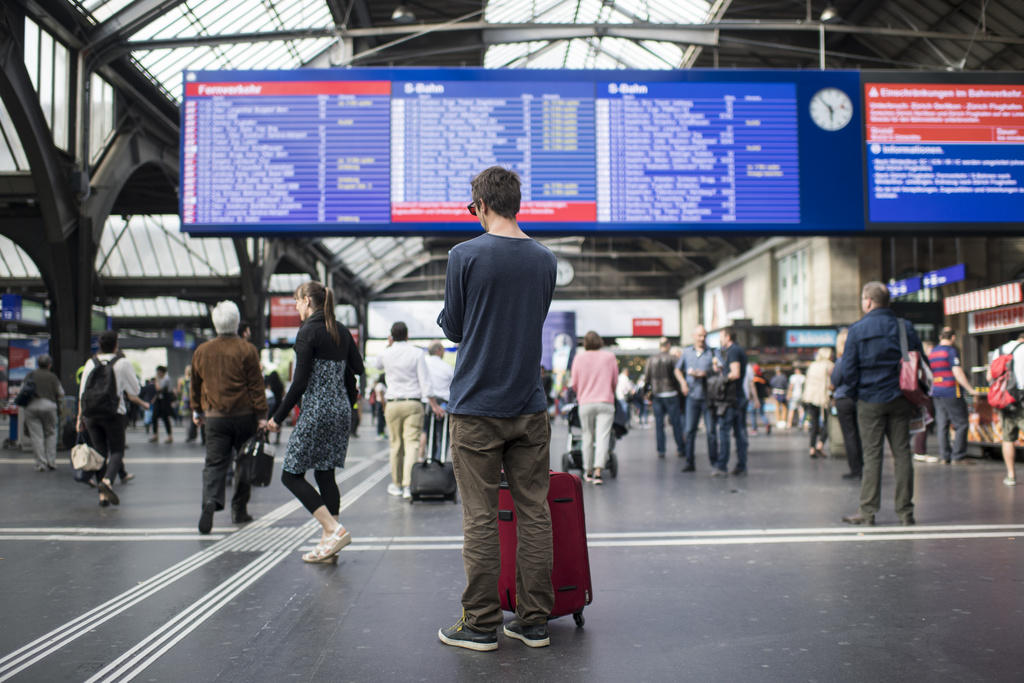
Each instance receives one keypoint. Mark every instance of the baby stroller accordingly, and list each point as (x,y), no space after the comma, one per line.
(573,458)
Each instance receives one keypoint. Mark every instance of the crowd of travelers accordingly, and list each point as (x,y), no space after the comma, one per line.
(497,408)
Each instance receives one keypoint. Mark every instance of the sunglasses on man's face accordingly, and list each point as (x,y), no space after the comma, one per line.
(471,207)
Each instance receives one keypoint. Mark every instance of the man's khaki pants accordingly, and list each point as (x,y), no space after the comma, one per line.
(481,447)
(405,422)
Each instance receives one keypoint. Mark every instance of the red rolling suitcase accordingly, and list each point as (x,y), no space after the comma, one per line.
(570,572)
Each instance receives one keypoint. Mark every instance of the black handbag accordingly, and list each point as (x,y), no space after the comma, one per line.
(258,458)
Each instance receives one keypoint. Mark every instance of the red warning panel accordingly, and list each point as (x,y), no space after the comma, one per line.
(941,113)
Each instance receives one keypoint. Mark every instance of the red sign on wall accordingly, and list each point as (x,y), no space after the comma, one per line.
(647,327)
(283,313)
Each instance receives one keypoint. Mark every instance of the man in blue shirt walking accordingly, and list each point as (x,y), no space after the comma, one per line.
(871,364)
(497,294)
(950,408)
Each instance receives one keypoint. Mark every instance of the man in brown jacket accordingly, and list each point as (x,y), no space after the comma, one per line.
(228,396)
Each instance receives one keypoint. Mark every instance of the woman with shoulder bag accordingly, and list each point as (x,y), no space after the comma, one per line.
(816,397)
(326,363)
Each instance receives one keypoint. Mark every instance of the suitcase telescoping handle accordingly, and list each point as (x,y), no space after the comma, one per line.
(431,435)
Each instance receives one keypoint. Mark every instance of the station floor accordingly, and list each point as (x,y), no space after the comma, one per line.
(695,578)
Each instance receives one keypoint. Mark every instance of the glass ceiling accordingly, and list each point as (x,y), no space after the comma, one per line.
(152,246)
(598,52)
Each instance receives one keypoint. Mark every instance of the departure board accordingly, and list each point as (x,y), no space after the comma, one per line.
(944,152)
(303,152)
(394,150)
(698,152)
(443,133)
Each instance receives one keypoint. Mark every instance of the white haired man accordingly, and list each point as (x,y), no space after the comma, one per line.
(228,397)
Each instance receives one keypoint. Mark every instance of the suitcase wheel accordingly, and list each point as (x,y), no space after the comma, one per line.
(578,618)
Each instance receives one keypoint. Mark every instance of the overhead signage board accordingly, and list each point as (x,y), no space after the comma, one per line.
(944,149)
(904,287)
(393,151)
(944,276)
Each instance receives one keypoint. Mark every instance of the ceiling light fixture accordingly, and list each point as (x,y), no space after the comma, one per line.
(829,15)
(403,15)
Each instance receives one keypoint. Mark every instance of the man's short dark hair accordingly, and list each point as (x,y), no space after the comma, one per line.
(877,292)
(499,189)
(108,341)
(399,332)
(161,368)
(947,333)
(729,332)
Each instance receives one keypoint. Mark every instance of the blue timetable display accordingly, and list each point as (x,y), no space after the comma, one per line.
(445,132)
(698,152)
(393,151)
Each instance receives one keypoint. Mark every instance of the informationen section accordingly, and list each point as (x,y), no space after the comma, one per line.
(295,152)
(939,153)
(445,132)
(697,152)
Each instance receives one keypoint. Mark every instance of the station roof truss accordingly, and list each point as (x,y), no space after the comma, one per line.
(141,47)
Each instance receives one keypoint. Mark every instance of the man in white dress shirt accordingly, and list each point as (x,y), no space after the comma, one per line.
(408,384)
(441,374)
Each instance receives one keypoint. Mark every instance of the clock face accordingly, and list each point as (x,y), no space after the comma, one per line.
(564,273)
(831,109)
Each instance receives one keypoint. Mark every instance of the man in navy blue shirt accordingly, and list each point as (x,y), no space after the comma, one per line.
(497,293)
(692,372)
(871,366)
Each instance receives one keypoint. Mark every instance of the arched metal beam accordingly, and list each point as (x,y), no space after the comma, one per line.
(130,150)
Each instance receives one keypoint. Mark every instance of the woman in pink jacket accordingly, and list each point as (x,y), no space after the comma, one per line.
(594,375)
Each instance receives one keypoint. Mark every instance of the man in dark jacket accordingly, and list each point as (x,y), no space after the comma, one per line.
(661,377)
(228,397)
(871,364)
(845,397)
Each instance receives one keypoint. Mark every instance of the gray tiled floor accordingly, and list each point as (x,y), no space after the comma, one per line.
(695,578)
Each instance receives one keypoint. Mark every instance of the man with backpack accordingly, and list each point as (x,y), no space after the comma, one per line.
(109,378)
(1008,370)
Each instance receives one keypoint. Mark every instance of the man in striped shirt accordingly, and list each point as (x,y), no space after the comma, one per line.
(950,408)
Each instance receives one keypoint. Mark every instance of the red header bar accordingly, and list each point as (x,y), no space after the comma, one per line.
(916,112)
(255,89)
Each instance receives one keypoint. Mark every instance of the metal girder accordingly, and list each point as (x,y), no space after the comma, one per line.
(192,288)
(644,31)
(568,31)
(228,39)
(128,21)
(22,103)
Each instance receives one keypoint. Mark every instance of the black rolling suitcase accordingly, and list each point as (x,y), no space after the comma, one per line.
(434,477)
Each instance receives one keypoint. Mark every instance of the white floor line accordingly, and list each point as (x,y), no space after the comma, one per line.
(45,645)
(136,659)
(196,536)
(90,530)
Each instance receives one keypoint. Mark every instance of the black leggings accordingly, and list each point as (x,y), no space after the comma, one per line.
(328,496)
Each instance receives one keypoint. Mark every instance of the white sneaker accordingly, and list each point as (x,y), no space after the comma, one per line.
(394,490)
(1010,481)
(407,493)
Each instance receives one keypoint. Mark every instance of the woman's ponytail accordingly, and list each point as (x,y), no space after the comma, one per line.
(329,321)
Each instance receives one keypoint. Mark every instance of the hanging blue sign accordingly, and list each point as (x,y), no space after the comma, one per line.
(10,307)
(944,276)
(903,287)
